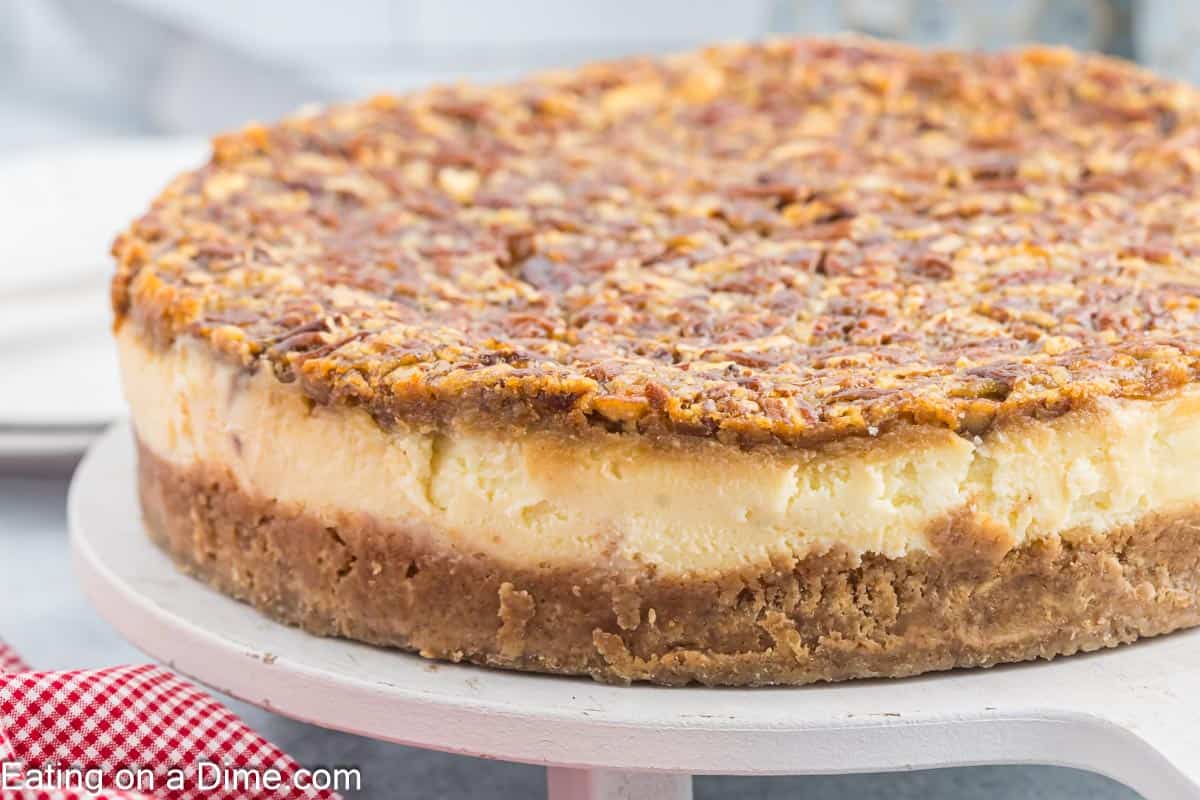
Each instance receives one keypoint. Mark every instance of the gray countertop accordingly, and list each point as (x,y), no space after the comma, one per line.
(45,617)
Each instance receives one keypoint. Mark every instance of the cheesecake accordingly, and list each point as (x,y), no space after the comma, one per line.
(767,363)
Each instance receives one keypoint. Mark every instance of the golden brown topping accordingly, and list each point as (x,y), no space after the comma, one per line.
(786,242)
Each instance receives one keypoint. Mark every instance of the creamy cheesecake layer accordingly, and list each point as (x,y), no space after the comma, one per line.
(547,499)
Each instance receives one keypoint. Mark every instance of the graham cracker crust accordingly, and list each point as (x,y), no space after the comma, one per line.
(827,617)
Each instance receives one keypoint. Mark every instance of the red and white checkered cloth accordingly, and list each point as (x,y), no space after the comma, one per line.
(10,661)
(116,721)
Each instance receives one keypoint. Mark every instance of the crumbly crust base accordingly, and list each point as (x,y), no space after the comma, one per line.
(827,617)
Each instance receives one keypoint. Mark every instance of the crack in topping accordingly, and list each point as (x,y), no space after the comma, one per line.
(787,242)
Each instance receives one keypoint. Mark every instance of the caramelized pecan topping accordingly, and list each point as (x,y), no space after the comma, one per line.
(787,242)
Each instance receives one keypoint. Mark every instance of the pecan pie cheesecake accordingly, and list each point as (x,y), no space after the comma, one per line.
(764,364)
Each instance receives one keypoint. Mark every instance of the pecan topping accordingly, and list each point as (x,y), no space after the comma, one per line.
(784,243)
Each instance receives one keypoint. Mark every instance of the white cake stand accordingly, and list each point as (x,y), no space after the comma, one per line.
(1132,713)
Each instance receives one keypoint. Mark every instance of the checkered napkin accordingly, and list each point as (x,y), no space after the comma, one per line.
(119,720)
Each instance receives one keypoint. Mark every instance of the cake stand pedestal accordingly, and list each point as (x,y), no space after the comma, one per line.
(1132,713)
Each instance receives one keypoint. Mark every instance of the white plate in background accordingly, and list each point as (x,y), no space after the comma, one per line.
(61,208)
